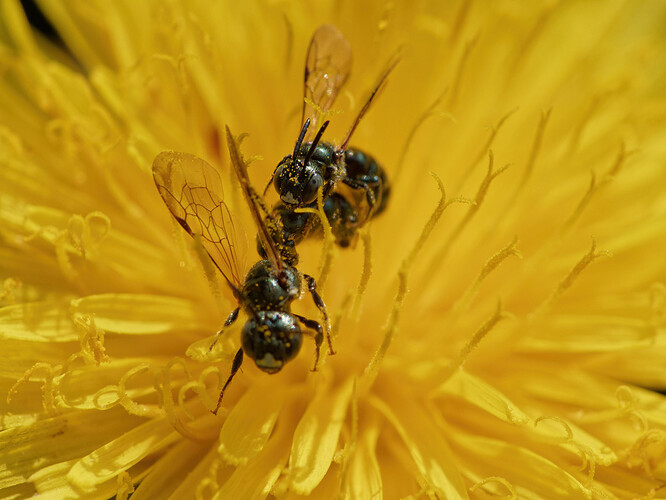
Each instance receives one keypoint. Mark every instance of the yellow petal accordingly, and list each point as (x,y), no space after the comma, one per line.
(424,440)
(121,453)
(532,475)
(28,449)
(170,470)
(37,321)
(258,476)
(137,314)
(364,477)
(316,438)
(250,423)
(485,396)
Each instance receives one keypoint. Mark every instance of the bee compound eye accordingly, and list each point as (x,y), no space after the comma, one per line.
(311,188)
(278,177)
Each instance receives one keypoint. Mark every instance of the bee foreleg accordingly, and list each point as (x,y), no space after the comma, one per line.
(235,366)
(312,287)
(318,336)
(230,320)
(365,182)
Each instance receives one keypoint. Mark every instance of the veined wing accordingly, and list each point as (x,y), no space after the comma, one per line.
(327,67)
(254,202)
(192,191)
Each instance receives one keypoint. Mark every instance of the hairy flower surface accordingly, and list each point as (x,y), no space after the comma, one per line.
(499,329)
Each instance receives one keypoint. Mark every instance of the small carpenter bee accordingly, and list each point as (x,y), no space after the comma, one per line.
(192,191)
(315,165)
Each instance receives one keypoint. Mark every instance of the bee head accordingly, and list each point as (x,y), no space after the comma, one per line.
(297,179)
(297,182)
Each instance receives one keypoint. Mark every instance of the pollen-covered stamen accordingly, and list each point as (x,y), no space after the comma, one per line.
(492,488)
(164,383)
(473,209)
(563,285)
(473,342)
(122,396)
(48,393)
(328,248)
(490,265)
(91,340)
(79,129)
(365,274)
(484,150)
(594,187)
(372,369)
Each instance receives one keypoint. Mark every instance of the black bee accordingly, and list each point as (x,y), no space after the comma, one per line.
(192,191)
(315,165)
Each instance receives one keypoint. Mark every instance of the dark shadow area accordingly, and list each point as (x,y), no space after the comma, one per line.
(40,23)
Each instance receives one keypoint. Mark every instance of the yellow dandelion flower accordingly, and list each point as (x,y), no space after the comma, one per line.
(499,328)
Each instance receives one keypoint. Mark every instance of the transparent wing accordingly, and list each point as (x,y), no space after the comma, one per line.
(327,67)
(254,202)
(192,191)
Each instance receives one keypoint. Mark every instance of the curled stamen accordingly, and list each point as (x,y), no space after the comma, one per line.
(48,394)
(511,490)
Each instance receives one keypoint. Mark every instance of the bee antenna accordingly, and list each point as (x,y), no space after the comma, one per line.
(301,137)
(315,142)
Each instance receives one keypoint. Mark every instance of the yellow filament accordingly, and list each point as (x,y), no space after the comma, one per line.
(48,396)
(372,369)
(365,275)
(565,426)
(490,265)
(473,342)
(472,210)
(125,486)
(420,121)
(9,288)
(511,491)
(164,387)
(582,123)
(329,240)
(536,148)
(350,447)
(639,450)
(62,256)
(460,70)
(485,149)
(339,315)
(91,340)
(628,405)
(570,278)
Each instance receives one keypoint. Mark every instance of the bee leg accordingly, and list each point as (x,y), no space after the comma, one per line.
(312,287)
(318,336)
(270,181)
(235,366)
(232,317)
(365,182)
